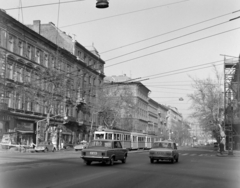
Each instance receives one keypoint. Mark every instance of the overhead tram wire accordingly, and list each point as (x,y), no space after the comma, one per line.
(181,72)
(170,32)
(209,63)
(123,14)
(173,47)
(167,41)
(41,5)
(143,78)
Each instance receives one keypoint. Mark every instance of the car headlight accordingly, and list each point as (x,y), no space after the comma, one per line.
(151,152)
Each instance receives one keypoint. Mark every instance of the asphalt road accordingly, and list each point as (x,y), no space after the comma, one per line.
(197,168)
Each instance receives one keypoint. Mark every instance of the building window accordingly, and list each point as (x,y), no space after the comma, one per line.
(11,43)
(53,62)
(46,60)
(37,56)
(28,76)
(9,71)
(29,52)
(18,104)
(20,47)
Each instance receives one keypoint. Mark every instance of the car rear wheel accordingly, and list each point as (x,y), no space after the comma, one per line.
(151,160)
(88,162)
(172,160)
(124,159)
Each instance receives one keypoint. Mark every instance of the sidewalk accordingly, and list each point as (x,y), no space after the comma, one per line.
(236,153)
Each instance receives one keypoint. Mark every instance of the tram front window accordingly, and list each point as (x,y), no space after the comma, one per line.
(99,136)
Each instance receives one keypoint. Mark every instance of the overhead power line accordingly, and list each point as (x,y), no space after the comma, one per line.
(181,72)
(41,5)
(186,68)
(170,31)
(122,14)
(173,47)
(167,41)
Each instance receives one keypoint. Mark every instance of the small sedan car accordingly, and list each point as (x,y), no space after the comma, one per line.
(164,150)
(45,147)
(80,146)
(105,151)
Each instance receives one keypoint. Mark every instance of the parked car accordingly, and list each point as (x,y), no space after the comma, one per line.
(164,150)
(45,147)
(83,144)
(104,151)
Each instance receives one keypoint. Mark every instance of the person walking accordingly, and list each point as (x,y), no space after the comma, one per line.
(221,146)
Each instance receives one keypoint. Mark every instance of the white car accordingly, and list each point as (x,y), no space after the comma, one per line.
(164,150)
(81,146)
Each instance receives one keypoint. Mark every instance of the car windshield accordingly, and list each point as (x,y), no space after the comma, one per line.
(162,145)
(100,144)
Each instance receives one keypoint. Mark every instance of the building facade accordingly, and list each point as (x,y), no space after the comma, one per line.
(46,90)
(153,117)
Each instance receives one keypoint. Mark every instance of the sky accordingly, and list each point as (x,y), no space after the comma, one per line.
(141,38)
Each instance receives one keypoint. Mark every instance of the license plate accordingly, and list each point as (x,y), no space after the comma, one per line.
(93,153)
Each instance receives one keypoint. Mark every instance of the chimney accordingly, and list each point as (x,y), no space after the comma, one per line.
(37,26)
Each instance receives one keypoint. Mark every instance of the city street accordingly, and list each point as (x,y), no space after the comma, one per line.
(197,167)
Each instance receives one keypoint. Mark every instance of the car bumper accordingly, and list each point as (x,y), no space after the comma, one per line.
(95,158)
(161,157)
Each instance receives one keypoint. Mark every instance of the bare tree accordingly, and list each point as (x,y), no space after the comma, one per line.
(207,102)
(116,104)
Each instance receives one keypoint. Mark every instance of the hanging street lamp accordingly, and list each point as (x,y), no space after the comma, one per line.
(102,4)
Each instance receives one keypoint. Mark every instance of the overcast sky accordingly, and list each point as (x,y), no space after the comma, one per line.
(148,23)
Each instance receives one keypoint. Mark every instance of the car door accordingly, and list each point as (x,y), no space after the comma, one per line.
(117,150)
(120,150)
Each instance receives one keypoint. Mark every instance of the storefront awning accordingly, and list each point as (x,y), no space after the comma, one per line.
(24,132)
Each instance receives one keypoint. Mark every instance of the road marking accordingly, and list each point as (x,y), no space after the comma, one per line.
(185,154)
(79,180)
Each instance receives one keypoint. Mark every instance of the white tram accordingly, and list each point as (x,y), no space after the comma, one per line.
(129,140)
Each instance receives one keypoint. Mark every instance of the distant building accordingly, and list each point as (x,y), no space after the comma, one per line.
(140,93)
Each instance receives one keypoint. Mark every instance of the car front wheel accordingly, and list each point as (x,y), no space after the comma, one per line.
(124,159)
(151,160)
(111,161)
(177,160)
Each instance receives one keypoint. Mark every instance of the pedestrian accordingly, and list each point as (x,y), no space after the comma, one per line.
(221,146)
